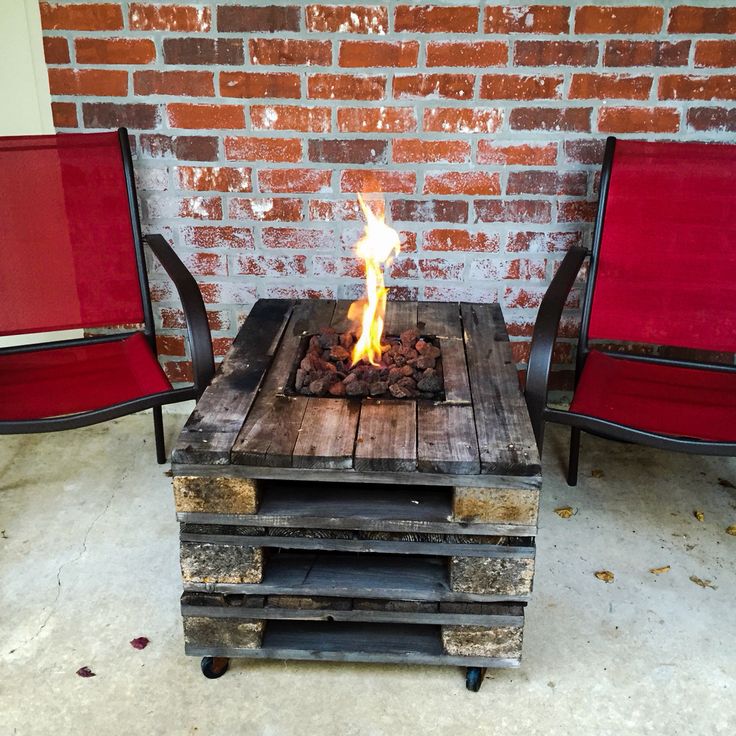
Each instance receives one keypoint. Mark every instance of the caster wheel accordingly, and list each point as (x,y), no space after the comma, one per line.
(474,678)
(214,667)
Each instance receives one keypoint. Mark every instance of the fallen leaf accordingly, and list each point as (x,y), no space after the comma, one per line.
(725,483)
(701,583)
(597,473)
(140,643)
(564,512)
(85,672)
(605,575)
(731,530)
(659,570)
(699,515)
(168,474)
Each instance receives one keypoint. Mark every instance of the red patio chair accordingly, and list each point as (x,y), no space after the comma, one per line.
(71,257)
(662,274)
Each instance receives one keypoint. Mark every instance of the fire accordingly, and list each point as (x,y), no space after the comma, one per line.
(378,245)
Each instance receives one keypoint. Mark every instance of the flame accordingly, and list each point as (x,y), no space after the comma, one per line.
(376,247)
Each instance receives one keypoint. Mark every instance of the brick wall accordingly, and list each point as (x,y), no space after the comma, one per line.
(255,125)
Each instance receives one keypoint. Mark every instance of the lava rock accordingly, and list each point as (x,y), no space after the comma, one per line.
(378,388)
(429,382)
(356,388)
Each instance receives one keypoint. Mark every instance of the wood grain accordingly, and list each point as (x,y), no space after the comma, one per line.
(327,434)
(446,441)
(387,436)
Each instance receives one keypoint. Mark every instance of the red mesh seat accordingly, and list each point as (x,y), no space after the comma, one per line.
(44,383)
(671,400)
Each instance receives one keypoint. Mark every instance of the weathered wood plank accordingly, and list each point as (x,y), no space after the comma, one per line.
(446,441)
(193,494)
(272,427)
(400,316)
(340,320)
(213,426)
(441,319)
(505,436)
(387,436)
(495,505)
(455,371)
(327,434)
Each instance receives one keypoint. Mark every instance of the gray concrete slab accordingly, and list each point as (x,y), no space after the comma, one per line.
(88,561)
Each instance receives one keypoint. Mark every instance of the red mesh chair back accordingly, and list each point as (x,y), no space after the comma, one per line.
(666,265)
(68,254)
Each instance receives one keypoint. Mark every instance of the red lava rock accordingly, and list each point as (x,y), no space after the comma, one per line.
(338,352)
(85,672)
(356,388)
(337,389)
(378,387)
(140,643)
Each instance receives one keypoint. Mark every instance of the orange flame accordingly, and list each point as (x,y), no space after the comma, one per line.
(378,245)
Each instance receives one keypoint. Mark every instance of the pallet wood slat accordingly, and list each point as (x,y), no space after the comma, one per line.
(327,434)
(446,440)
(387,436)
(440,319)
(400,316)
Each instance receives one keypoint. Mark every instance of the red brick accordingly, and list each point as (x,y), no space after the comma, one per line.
(416,150)
(166,207)
(342,267)
(340,210)
(534,155)
(518,87)
(646,53)
(467,53)
(260,84)
(439,268)
(374,180)
(609,87)
(221,346)
(551,19)
(354,151)
(715,53)
(576,211)
(265,209)
(378,53)
(550,118)
(204,51)
(403,268)
(180,147)
(555,53)
(294,180)
(516,269)
(114,50)
(462,120)
(547,182)
(249,19)
(429,210)
(460,240)
(453,293)
(179,371)
(272,266)
(215,236)
(213,178)
(638,120)
(436,19)
(376,119)
(585,151)
(542,242)
(290,117)
(712,118)
(170,345)
(55,50)
(172,319)
(81,17)
(185,18)
(691,19)
(290,51)
(177,84)
(617,19)
(184,115)
(462,182)
(345,87)
(206,264)
(288,237)
(291,292)
(453,86)
(347,19)
(513,210)
(681,87)
(263,149)
(96,82)
(64,114)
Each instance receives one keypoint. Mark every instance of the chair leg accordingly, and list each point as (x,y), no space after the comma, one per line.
(572,466)
(158,431)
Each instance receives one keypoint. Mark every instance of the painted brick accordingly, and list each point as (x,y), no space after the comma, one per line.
(348,151)
(290,51)
(347,19)
(64,114)
(467,53)
(345,87)
(617,19)
(462,182)
(88,82)
(215,236)
(290,117)
(213,178)
(542,242)
(550,118)
(638,120)
(436,19)
(183,115)
(515,269)
(441,268)
(584,151)
(217,51)
(576,211)
(376,119)
(294,180)
(184,18)
(646,53)
(548,19)
(378,53)
(114,51)
(340,210)
(693,19)
(250,19)
(260,84)
(451,86)
(715,53)
(555,53)
(462,120)
(297,239)
(683,87)
(109,115)
(55,50)
(81,17)
(278,266)
(712,119)
(417,150)
(266,209)
(263,149)
(451,240)
(513,210)
(375,180)
(518,87)
(610,86)
(178,84)
(182,147)
(490,152)
(429,210)
(546,182)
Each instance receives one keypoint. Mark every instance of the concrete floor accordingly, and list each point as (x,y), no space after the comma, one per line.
(89,561)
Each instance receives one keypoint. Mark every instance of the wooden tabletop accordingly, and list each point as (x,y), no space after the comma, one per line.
(479,435)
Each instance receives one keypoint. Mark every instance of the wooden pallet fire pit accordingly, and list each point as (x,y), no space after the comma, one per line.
(362,529)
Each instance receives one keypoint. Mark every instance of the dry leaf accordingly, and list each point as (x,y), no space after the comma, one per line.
(725,483)
(85,672)
(699,515)
(597,473)
(564,512)
(700,582)
(731,530)
(659,570)
(605,575)
(140,643)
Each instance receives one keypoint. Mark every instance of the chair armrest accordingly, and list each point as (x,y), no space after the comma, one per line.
(200,340)
(545,334)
